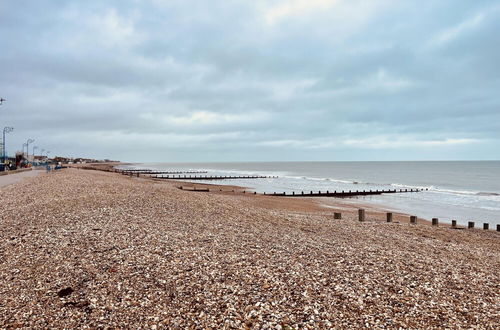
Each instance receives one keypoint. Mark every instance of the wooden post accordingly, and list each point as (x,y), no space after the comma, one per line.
(486,226)
(453,223)
(337,215)
(389,217)
(471,224)
(361,214)
(413,219)
(435,221)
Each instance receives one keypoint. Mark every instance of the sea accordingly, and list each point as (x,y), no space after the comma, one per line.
(459,190)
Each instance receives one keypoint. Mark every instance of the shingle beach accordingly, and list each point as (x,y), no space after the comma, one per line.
(94,249)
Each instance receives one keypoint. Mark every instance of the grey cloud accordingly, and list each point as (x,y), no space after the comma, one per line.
(220,82)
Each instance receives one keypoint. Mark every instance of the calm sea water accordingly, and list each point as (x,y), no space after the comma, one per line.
(461,190)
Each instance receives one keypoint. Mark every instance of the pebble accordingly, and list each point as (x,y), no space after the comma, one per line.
(123,252)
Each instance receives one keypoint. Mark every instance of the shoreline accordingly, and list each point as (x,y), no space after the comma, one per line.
(308,204)
(374,211)
(451,196)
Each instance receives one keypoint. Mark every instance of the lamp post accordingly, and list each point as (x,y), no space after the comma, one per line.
(28,148)
(5,130)
(34,148)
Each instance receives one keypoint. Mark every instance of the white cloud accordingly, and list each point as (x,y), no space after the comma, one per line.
(290,8)
(208,118)
(106,28)
(383,80)
(454,32)
(373,142)
(404,142)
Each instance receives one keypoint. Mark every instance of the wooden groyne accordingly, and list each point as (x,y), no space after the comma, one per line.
(327,193)
(211,177)
(150,172)
(342,194)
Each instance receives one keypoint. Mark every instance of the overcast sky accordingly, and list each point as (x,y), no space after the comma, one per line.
(234,80)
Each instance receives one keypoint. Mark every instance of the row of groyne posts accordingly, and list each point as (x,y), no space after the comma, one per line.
(187,175)
(413,220)
(336,215)
(183,175)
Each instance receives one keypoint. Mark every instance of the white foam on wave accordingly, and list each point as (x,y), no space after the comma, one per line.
(307,178)
(448,191)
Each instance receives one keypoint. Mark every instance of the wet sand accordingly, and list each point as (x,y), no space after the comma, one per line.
(85,248)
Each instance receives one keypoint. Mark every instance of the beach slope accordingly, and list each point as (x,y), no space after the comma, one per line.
(91,249)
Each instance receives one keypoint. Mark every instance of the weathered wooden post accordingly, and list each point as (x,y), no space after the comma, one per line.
(361,214)
(413,219)
(435,221)
(453,223)
(470,224)
(337,215)
(486,226)
(389,217)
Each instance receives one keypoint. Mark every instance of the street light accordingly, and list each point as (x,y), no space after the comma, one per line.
(5,130)
(41,154)
(35,147)
(28,147)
